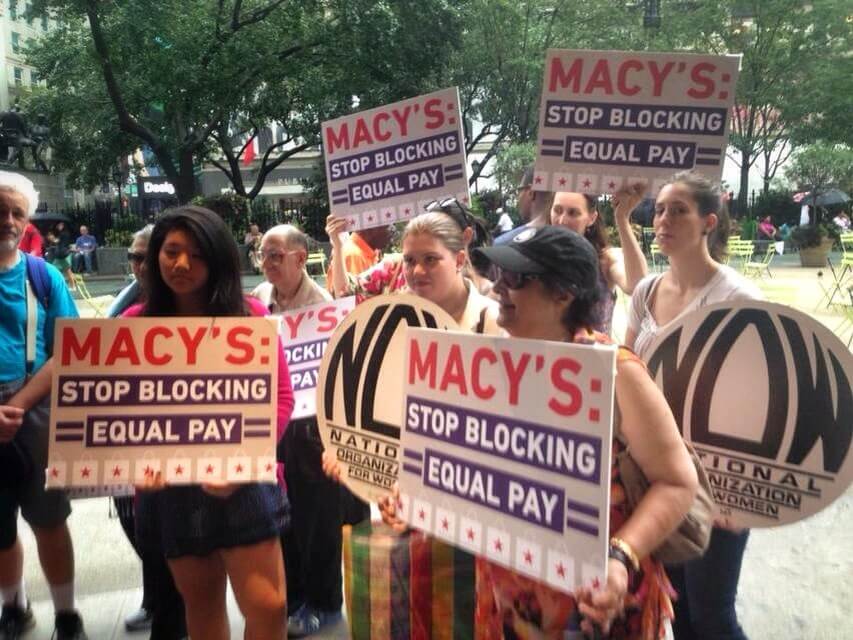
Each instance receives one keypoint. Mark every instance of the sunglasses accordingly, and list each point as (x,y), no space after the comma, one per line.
(135,257)
(453,208)
(513,280)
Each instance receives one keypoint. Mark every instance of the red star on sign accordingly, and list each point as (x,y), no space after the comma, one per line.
(422,514)
(471,535)
(528,557)
(179,470)
(387,214)
(596,584)
(351,222)
(538,180)
(269,466)
(562,182)
(116,471)
(561,570)
(498,545)
(149,471)
(209,468)
(408,211)
(239,468)
(586,183)
(444,524)
(84,472)
(54,472)
(611,184)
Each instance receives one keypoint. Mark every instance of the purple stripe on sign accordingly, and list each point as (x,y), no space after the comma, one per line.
(630,152)
(452,168)
(412,469)
(414,455)
(185,429)
(305,352)
(707,161)
(708,150)
(422,179)
(551,152)
(489,487)
(251,422)
(70,425)
(339,192)
(69,437)
(256,434)
(343,200)
(448,177)
(562,451)
(224,388)
(603,116)
(580,507)
(552,143)
(582,527)
(395,156)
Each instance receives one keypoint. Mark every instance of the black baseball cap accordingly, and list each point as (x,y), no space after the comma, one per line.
(562,256)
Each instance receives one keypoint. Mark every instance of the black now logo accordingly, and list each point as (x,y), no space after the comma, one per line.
(813,384)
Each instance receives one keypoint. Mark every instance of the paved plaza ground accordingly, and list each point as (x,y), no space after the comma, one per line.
(796,580)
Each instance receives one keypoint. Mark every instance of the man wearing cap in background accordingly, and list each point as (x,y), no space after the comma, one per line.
(534,207)
(26,341)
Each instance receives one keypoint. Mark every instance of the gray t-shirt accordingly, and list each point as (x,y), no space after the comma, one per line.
(727,284)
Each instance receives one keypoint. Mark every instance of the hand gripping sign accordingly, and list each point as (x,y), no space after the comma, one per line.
(763,393)
(192,398)
(610,117)
(506,451)
(386,164)
(361,387)
(305,333)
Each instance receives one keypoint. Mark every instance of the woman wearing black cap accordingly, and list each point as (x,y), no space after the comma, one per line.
(547,288)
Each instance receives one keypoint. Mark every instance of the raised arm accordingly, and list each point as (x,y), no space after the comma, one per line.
(626,273)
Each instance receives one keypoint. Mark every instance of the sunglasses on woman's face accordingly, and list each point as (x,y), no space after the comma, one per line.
(135,257)
(514,280)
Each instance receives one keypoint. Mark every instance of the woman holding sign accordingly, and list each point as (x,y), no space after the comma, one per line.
(547,287)
(691,227)
(434,265)
(579,213)
(213,533)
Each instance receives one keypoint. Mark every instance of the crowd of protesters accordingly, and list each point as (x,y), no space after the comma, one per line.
(553,278)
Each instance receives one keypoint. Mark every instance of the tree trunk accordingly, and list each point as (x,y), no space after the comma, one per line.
(743,193)
(185,187)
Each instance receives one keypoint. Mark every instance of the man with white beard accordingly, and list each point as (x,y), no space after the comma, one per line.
(32,295)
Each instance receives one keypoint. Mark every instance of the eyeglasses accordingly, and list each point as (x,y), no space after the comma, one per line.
(514,280)
(135,257)
(453,208)
(274,257)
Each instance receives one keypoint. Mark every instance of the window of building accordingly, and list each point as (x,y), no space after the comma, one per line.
(16,42)
(13,9)
(34,77)
(30,13)
(44,23)
(19,76)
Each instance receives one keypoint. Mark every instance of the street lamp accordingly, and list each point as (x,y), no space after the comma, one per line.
(118,178)
(475,167)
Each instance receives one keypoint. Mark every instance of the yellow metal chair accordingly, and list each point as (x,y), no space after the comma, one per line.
(739,251)
(656,254)
(846,241)
(318,258)
(759,267)
(83,290)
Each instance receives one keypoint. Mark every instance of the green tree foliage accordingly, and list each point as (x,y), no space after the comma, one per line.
(194,80)
(820,166)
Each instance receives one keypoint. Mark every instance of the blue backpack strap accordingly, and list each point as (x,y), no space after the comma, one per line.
(39,280)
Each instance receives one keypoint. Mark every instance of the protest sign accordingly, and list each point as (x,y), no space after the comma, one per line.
(360,389)
(763,393)
(611,117)
(386,164)
(305,333)
(506,451)
(191,398)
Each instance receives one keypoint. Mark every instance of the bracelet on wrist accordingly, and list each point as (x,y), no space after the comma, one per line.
(627,550)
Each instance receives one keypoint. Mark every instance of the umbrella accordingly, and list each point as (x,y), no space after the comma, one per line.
(49,216)
(824,198)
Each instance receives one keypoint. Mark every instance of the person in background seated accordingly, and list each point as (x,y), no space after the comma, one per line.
(83,249)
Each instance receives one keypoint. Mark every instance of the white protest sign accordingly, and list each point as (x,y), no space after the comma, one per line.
(386,164)
(305,333)
(506,451)
(361,387)
(611,117)
(763,393)
(192,398)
